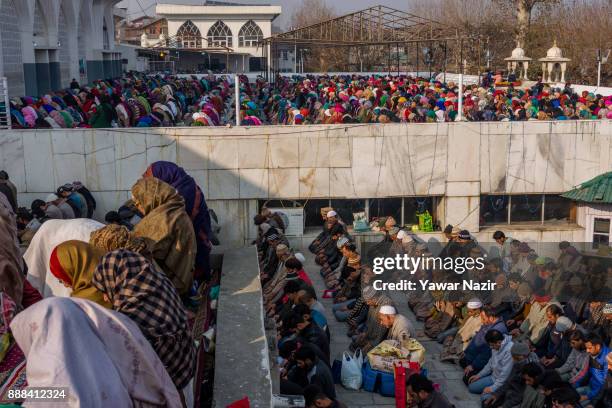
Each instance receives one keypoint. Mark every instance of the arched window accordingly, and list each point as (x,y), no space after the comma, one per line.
(189,35)
(250,34)
(219,35)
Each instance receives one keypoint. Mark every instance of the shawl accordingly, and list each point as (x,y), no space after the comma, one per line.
(468,330)
(11,263)
(63,339)
(12,360)
(73,262)
(195,205)
(167,229)
(49,235)
(113,236)
(137,289)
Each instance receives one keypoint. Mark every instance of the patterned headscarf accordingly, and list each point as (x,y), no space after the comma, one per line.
(136,288)
(113,237)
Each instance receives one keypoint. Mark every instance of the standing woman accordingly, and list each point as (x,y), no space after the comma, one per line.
(195,205)
(136,288)
(167,229)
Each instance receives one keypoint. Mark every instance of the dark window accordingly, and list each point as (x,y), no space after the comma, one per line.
(417,205)
(346,208)
(601,232)
(493,209)
(385,207)
(557,208)
(526,208)
(312,212)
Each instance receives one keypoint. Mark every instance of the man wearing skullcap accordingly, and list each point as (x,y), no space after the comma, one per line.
(510,394)
(400,328)
(455,344)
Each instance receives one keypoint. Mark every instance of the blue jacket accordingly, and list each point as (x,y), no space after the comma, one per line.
(478,351)
(598,369)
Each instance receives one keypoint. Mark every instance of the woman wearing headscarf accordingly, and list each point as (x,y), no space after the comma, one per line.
(113,236)
(99,355)
(73,264)
(136,288)
(11,263)
(50,235)
(167,229)
(12,360)
(195,205)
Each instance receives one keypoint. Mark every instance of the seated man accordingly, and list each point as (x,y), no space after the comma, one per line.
(598,369)
(422,391)
(497,370)
(400,328)
(315,371)
(576,366)
(314,397)
(510,394)
(375,332)
(536,323)
(310,332)
(478,352)
(455,345)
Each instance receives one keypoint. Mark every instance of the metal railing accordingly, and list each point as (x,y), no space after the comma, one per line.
(5,107)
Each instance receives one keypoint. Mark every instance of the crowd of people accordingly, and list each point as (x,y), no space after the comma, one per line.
(540,338)
(107,310)
(138,100)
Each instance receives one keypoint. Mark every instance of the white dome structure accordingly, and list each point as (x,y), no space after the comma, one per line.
(518,62)
(554,65)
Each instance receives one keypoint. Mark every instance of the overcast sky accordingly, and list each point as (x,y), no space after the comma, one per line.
(341,6)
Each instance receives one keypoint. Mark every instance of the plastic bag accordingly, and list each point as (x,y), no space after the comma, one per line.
(351,370)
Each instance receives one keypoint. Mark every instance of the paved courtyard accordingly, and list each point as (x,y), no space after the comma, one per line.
(447,375)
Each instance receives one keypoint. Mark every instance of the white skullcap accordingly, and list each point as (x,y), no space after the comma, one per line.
(474,303)
(387,310)
(300,257)
(51,197)
(332,213)
(265,227)
(401,234)
(341,242)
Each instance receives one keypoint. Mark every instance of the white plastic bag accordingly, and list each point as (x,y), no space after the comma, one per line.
(351,370)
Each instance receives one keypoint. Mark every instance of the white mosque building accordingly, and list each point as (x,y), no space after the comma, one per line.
(217,36)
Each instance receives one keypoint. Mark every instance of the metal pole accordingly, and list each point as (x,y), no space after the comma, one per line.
(398,59)
(269,62)
(445,60)
(598,73)
(237,93)
(295,59)
(460,105)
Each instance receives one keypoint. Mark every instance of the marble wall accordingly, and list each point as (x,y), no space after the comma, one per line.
(236,166)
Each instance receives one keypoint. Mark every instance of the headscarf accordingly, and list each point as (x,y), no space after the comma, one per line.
(139,290)
(11,263)
(49,235)
(98,354)
(113,236)
(167,229)
(73,262)
(12,360)
(195,205)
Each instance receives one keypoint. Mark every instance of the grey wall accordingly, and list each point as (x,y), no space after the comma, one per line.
(237,166)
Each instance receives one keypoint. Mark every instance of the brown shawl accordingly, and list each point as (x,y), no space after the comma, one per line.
(11,263)
(167,229)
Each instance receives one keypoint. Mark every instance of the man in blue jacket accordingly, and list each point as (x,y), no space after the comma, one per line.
(478,352)
(598,368)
